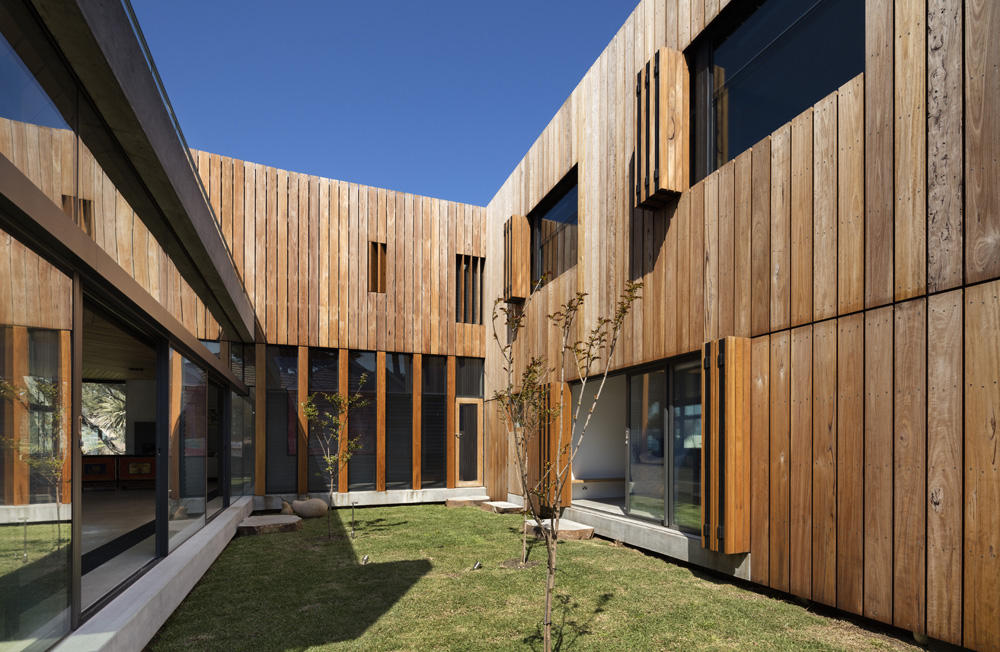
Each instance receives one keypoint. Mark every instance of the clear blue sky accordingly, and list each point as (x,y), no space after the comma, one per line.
(433,97)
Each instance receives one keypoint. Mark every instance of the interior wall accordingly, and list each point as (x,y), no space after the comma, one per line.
(602,453)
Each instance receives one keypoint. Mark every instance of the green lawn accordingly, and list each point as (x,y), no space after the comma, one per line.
(299,591)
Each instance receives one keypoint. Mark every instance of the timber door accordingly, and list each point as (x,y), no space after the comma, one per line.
(469,442)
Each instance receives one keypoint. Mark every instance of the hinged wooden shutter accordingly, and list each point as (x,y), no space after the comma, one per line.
(725,452)
(662,130)
(516,259)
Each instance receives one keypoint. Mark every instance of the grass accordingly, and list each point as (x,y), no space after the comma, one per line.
(299,591)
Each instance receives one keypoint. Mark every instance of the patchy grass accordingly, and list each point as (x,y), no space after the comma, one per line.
(299,591)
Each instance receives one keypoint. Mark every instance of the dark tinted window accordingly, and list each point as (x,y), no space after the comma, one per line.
(361,422)
(469,377)
(281,418)
(770,64)
(433,422)
(553,230)
(323,379)
(398,421)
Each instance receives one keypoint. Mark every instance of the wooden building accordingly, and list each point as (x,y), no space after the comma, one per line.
(809,384)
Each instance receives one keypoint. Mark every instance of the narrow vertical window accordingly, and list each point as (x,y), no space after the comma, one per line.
(376,266)
(469,289)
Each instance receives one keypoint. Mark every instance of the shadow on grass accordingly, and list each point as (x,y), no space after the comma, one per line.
(309,592)
(567,630)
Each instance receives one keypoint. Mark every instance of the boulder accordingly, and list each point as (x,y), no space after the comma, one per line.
(312,508)
(286,509)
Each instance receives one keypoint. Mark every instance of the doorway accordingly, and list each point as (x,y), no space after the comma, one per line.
(469,442)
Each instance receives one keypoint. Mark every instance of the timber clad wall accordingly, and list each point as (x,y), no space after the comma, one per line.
(301,247)
(47,157)
(858,246)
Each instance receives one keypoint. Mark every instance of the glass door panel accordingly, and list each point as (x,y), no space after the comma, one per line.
(469,442)
(686,426)
(646,481)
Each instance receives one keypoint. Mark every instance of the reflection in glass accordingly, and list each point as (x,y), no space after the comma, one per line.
(282,440)
(433,422)
(553,231)
(34,133)
(188,439)
(686,408)
(237,459)
(398,421)
(361,423)
(35,408)
(647,395)
(324,378)
(213,461)
(784,58)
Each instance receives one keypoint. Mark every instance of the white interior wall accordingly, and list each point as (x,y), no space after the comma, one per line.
(602,453)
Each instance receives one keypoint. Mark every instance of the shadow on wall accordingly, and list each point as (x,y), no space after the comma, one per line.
(647,230)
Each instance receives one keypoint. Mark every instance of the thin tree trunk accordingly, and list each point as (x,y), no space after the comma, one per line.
(524,538)
(550,584)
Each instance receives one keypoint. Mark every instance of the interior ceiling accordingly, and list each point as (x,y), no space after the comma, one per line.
(109,353)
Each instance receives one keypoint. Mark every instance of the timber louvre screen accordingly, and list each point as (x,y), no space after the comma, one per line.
(661,129)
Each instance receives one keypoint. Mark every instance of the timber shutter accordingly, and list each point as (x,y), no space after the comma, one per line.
(725,452)
(661,129)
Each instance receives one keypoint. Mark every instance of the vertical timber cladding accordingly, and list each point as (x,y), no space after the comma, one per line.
(302,245)
(726,382)
(661,130)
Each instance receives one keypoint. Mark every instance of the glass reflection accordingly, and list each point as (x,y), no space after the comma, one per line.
(398,421)
(433,422)
(646,469)
(686,408)
(361,422)
(188,440)
(35,408)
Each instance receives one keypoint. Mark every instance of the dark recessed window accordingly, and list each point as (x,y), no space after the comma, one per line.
(763,65)
(469,274)
(376,266)
(553,231)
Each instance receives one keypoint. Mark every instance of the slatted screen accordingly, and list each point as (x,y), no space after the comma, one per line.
(398,421)
(433,422)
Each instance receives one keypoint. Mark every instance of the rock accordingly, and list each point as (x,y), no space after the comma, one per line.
(286,509)
(312,508)
(269,524)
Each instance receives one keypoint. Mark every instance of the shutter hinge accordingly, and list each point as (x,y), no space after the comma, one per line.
(720,533)
(707,530)
(722,358)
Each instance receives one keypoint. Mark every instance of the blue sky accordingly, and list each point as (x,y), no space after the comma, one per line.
(434,97)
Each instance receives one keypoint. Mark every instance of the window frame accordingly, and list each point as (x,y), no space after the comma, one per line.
(669,367)
(566,185)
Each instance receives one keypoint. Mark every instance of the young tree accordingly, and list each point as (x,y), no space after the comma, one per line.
(326,415)
(526,408)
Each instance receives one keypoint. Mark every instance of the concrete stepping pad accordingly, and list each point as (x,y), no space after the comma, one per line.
(568,530)
(501,507)
(269,524)
(466,501)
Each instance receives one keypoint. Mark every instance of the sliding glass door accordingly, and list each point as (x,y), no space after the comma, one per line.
(663,480)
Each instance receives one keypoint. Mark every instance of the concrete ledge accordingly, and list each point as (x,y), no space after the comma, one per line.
(662,540)
(373,498)
(129,621)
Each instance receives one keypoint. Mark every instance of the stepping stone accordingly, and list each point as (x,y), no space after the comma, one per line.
(269,524)
(568,530)
(468,501)
(501,507)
